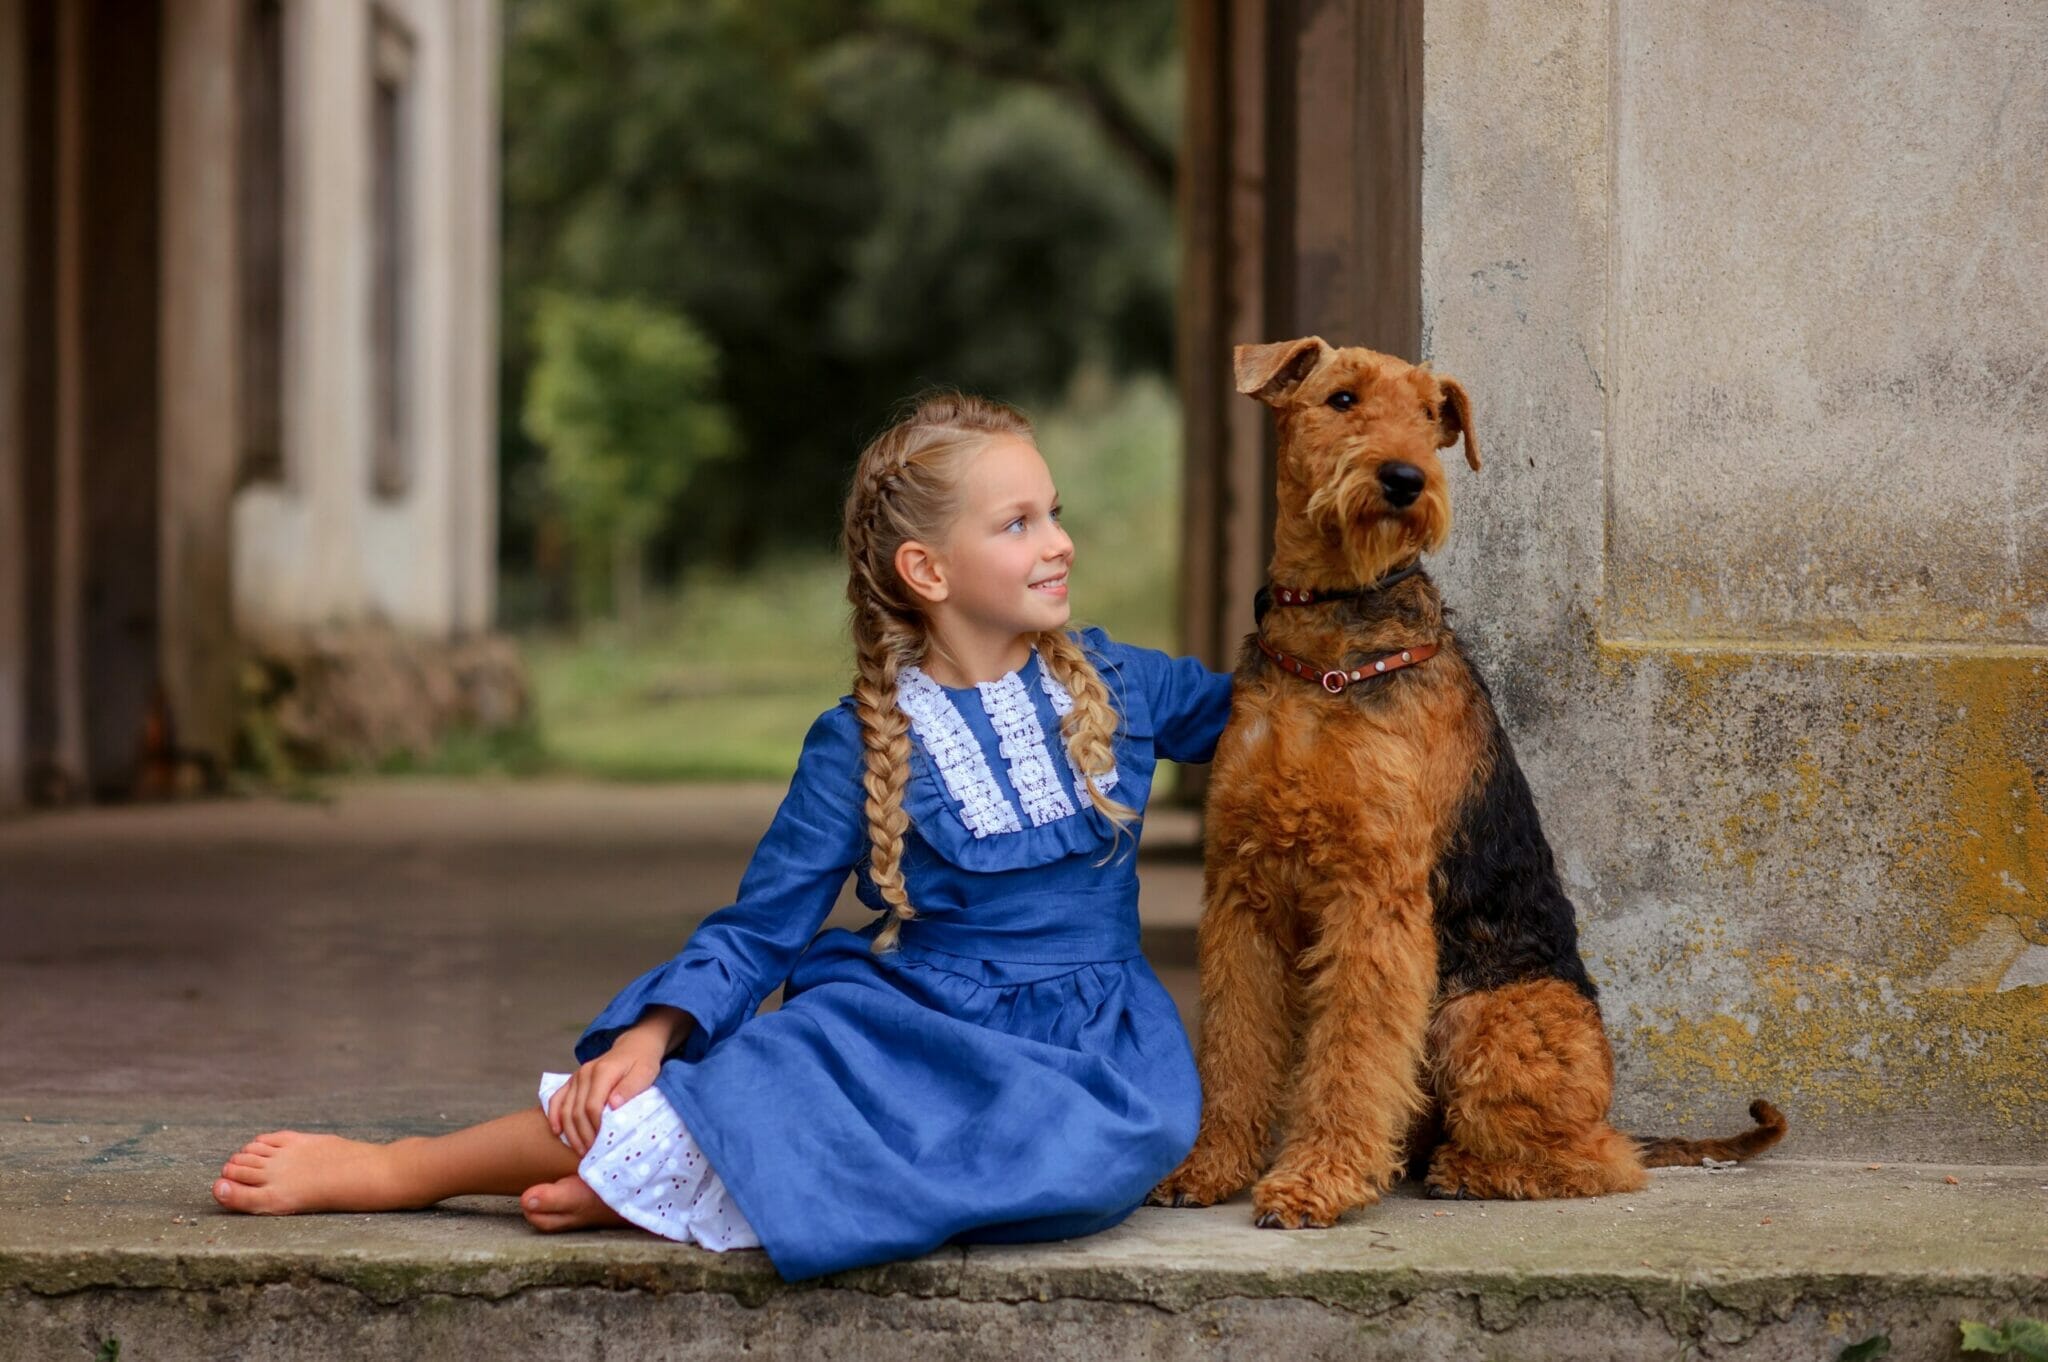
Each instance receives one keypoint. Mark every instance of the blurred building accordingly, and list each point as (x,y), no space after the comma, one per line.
(247,354)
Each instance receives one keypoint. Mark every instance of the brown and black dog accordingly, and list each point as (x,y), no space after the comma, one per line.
(1386,952)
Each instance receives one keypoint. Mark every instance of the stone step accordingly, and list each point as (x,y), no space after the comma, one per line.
(107,1233)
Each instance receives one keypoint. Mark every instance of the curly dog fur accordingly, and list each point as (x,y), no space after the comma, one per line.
(1390,967)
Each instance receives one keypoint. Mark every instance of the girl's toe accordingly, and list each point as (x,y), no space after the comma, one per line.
(543,1197)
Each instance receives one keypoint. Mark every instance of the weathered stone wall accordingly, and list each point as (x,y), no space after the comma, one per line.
(1752,301)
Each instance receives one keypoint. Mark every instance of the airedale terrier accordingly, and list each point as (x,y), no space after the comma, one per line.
(1383,924)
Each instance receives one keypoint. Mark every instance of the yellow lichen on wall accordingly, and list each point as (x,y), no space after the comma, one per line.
(1832,1046)
(1988,857)
(1893,840)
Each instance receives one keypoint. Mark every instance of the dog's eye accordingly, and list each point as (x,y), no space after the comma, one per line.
(1343,400)
(1428,412)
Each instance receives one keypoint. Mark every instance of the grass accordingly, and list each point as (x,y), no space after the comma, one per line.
(729,669)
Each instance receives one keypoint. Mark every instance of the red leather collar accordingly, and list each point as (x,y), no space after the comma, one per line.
(1334,680)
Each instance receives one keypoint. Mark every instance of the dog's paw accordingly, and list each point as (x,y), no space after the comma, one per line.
(1289,1201)
(1442,1191)
(1203,1179)
(1189,1188)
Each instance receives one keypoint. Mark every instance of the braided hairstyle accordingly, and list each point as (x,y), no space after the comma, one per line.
(906,487)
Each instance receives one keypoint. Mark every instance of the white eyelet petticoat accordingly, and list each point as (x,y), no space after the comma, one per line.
(645,1165)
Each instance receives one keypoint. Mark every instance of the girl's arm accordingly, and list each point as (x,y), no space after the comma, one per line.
(1189,703)
(742,953)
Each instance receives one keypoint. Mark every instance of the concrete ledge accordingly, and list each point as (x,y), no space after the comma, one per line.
(1784,1259)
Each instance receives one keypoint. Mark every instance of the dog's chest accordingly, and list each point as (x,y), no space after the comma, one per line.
(1304,764)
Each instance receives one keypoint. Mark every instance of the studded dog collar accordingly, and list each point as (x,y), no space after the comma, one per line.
(1335,679)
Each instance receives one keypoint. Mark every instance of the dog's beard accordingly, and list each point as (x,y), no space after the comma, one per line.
(1350,511)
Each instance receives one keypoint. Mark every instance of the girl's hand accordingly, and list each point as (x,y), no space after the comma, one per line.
(612,1079)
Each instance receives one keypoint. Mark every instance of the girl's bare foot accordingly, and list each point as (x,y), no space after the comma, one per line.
(566,1204)
(287,1172)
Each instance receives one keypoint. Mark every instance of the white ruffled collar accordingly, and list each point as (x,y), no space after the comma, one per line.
(963,767)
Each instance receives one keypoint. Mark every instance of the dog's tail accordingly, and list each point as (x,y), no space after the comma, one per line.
(1663,1153)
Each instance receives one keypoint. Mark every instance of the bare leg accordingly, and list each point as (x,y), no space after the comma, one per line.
(287,1172)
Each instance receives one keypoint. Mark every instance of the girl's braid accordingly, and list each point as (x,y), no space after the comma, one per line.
(1090,726)
(883,646)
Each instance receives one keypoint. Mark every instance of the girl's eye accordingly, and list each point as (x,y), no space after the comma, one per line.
(1342,399)
(1056,513)
(1016,524)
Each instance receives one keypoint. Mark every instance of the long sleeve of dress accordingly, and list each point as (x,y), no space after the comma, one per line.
(1189,703)
(742,953)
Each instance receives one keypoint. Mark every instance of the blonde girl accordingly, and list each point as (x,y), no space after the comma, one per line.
(990,1059)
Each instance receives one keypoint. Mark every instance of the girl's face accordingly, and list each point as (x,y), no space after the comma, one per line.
(1005,558)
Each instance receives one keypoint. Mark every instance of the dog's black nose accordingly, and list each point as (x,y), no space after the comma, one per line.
(1402,483)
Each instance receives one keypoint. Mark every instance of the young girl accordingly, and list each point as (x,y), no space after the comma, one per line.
(991,1059)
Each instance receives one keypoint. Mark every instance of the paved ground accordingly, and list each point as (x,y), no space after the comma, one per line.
(449,938)
(407,957)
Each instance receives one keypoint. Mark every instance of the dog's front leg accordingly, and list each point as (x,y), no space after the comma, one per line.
(1246,1041)
(1370,977)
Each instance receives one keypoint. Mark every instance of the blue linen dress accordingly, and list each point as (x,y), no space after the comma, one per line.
(1014,1071)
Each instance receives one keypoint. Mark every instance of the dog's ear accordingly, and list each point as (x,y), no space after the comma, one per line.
(1271,372)
(1454,418)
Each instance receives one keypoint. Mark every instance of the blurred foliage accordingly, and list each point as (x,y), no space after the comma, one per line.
(850,199)
(617,402)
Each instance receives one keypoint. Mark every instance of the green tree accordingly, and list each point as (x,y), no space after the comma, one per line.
(853,199)
(621,399)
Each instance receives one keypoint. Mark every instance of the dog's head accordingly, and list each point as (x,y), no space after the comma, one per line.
(1359,432)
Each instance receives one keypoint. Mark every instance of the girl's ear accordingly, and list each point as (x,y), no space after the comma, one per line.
(922,571)
(1455,419)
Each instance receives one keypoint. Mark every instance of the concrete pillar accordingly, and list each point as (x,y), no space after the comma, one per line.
(416,547)
(117,426)
(200,369)
(473,498)
(66,750)
(1750,301)
(13,418)
(405,548)
(298,556)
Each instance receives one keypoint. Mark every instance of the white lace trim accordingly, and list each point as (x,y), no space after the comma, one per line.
(951,745)
(1022,743)
(1063,705)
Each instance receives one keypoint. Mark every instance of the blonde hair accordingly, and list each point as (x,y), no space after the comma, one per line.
(907,486)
